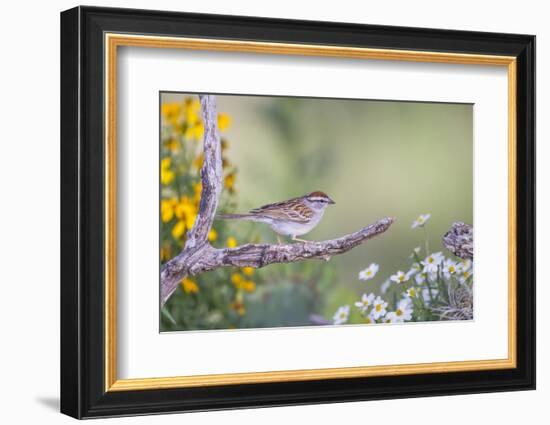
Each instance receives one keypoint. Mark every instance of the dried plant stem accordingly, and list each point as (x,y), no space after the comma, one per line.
(460,240)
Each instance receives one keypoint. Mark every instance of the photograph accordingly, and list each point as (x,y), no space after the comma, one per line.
(286,210)
(329,212)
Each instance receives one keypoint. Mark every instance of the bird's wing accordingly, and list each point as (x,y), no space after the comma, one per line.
(292,210)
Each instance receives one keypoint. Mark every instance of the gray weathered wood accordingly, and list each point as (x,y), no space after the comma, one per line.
(211,175)
(460,240)
(198,256)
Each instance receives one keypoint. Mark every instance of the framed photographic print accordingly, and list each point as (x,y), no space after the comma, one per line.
(261,212)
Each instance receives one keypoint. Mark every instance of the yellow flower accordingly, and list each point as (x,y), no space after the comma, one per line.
(186,212)
(178,230)
(189,286)
(194,131)
(172,145)
(169,109)
(167,176)
(237,280)
(199,130)
(231,242)
(165,252)
(248,286)
(212,235)
(224,121)
(171,112)
(167,210)
(190,220)
(229,182)
(240,283)
(191,110)
(198,161)
(185,208)
(248,271)
(197,188)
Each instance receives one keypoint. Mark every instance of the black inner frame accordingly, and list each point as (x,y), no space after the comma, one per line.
(82,212)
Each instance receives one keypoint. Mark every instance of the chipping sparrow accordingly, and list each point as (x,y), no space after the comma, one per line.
(294,217)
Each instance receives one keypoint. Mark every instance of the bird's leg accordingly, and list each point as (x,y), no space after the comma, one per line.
(294,238)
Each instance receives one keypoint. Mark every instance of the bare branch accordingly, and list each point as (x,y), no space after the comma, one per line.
(198,256)
(261,255)
(211,174)
(460,240)
(207,258)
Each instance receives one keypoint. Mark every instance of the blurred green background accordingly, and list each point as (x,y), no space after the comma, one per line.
(374,158)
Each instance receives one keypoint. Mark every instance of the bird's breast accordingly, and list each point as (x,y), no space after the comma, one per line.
(294,228)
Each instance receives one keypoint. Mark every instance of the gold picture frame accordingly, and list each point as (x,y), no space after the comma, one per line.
(114,41)
(91,40)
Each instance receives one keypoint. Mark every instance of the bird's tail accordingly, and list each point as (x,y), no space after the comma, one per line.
(235,216)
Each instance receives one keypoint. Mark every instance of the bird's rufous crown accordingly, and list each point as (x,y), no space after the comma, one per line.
(318,195)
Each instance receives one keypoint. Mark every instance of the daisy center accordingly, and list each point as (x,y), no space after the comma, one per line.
(398,312)
(378,307)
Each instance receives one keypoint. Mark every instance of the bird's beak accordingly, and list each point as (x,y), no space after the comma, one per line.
(330,201)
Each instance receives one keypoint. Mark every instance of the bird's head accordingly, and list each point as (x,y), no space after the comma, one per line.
(318,200)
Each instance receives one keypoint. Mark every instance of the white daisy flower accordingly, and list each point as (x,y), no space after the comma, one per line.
(385,286)
(369,319)
(464,265)
(449,268)
(421,221)
(412,292)
(464,275)
(369,272)
(420,278)
(379,308)
(366,302)
(426,294)
(402,313)
(431,262)
(399,277)
(415,268)
(341,316)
